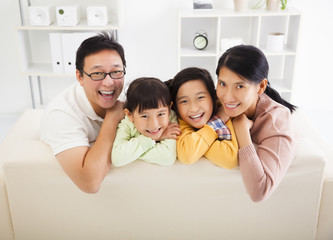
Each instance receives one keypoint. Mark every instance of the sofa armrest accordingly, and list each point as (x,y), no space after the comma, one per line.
(6,228)
(25,128)
(306,129)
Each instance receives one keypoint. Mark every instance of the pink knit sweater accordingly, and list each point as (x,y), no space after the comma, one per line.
(263,167)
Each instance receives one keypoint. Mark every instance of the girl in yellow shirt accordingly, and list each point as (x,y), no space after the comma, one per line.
(203,132)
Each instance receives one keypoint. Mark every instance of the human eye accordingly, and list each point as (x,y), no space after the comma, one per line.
(182,102)
(240,86)
(222,84)
(98,75)
(144,116)
(162,114)
(117,74)
(201,97)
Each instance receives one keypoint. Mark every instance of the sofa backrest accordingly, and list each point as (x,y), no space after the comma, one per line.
(147,201)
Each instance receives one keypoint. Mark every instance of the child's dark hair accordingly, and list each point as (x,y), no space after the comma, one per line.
(189,74)
(251,63)
(147,93)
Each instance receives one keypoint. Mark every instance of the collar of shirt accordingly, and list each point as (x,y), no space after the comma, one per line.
(85,105)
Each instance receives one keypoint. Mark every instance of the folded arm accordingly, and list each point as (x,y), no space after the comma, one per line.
(224,153)
(191,144)
(163,153)
(87,166)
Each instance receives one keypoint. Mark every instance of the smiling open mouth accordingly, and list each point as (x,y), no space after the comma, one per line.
(196,117)
(153,132)
(231,106)
(107,94)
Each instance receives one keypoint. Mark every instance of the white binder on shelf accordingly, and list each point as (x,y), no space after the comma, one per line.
(56,52)
(68,52)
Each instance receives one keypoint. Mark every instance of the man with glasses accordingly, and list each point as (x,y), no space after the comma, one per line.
(80,124)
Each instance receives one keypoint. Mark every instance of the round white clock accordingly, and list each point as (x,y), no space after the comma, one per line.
(200,40)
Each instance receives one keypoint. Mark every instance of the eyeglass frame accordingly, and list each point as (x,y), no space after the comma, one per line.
(89,75)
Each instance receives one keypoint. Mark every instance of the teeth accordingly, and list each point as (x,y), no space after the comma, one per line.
(153,131)
(231,106)
(107,92)
(196,116)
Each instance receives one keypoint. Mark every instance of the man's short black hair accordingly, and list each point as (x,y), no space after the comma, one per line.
(95,44)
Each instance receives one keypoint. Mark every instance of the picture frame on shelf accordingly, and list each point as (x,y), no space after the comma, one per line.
(202,4)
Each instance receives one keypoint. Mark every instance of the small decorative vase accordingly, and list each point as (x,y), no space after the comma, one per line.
(241,5)
(275,41)
(272,5)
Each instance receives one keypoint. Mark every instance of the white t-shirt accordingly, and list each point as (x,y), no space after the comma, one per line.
(70,121)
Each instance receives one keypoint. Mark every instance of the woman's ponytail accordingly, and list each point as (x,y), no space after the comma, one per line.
(273,94)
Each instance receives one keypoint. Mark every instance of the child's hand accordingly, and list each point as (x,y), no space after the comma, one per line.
(171,132)
(221,113)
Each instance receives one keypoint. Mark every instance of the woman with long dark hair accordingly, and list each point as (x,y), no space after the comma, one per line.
(261,118)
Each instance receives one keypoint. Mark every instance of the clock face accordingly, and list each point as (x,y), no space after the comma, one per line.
(200,42)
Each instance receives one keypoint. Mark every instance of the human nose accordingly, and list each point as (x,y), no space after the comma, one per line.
(194,107)
(228,95)
(108,81)
(153,122)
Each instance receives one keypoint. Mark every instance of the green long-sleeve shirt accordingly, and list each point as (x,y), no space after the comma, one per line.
(130,145)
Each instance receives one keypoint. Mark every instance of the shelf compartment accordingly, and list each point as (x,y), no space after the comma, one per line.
(245,28)
(289,25)
(189,26)
(36,52)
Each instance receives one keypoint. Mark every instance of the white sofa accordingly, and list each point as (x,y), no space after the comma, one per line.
(146,201)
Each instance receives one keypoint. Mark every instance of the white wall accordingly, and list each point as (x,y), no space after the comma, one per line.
(149,36)
(314,78)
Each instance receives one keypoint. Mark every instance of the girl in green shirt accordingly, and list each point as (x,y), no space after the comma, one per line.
(150,128)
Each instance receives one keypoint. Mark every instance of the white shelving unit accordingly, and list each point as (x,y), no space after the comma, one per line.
(34,44)
(252,27)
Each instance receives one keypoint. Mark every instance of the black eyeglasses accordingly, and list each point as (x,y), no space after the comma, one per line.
(97,76)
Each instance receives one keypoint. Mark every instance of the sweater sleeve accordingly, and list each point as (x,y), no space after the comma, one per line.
(191,144)
(129,144)
(163,153)
(224,153)
(263,169)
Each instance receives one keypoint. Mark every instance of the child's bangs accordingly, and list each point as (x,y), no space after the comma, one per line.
(153,101)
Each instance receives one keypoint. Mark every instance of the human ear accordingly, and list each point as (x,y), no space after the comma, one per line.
(79,77)
(262,86)
(129,114)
